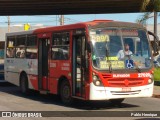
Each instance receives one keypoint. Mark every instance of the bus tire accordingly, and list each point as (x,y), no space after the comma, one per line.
(65,93)
(116,101)
(24,84)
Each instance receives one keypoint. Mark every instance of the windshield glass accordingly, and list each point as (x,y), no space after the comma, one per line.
(124,48)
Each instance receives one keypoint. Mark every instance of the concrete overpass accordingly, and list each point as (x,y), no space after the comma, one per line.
(53,7)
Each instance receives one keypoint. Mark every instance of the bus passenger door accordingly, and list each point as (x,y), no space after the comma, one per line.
(78,65)
(43,53)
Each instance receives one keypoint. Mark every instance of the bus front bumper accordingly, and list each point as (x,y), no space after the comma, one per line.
(106,93)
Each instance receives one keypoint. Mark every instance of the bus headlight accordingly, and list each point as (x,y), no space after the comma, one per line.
(96,80)
(150,80)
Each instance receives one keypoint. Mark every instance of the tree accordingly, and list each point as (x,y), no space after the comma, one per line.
(150,6)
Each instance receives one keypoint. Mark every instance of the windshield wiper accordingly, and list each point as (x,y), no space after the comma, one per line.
(137,68)
(109,62)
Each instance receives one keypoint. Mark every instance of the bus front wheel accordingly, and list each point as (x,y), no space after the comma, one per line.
(24,84)
(65,93)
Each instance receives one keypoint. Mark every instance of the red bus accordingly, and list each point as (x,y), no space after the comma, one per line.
(82,61)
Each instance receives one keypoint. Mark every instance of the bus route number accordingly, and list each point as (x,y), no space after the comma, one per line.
(100,38)
(144,75)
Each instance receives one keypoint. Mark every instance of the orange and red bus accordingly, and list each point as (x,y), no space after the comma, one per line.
(81,61)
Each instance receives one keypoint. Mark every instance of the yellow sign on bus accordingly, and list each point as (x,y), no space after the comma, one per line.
(27,26)
(111,58)
(100,38)
(114,64)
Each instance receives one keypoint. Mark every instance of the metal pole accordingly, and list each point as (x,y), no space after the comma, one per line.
(56,20)
(155,23)
(8,23)
(61,19)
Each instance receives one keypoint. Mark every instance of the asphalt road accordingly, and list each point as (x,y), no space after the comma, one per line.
(11,99)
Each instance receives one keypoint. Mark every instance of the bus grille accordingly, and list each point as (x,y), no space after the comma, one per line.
(105,76)
(125,93)
(125,82)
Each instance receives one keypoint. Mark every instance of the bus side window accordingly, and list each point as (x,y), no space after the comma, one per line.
(55,55)
(31,47)
(10,52)
(20,52)
(33,56)
(59,55)
(30,55)
(21,46)
(60,46)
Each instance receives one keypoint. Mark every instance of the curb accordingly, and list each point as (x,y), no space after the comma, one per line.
(156,96)
(157,83)
(156,91)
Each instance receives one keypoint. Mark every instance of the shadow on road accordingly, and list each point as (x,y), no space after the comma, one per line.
(54,99)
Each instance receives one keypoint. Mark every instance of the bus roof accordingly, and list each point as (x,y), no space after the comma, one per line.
(91,25)
(19,33)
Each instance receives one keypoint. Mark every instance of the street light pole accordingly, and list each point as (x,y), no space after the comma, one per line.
(61,19)
(8,23)
(155,22)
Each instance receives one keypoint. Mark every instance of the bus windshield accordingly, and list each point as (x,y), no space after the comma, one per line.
(120,48)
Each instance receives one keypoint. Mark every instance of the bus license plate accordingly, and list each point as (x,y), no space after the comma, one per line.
(126,89)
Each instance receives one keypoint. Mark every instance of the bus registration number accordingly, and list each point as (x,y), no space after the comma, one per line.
(125,89)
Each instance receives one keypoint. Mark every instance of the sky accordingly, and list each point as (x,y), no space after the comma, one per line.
(52,20)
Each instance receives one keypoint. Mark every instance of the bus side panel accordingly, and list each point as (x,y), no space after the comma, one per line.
(12,77)
(53,85)
(53,76)
(58,69)
(33,82)
(11,71)
(32,73)
(14,67)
